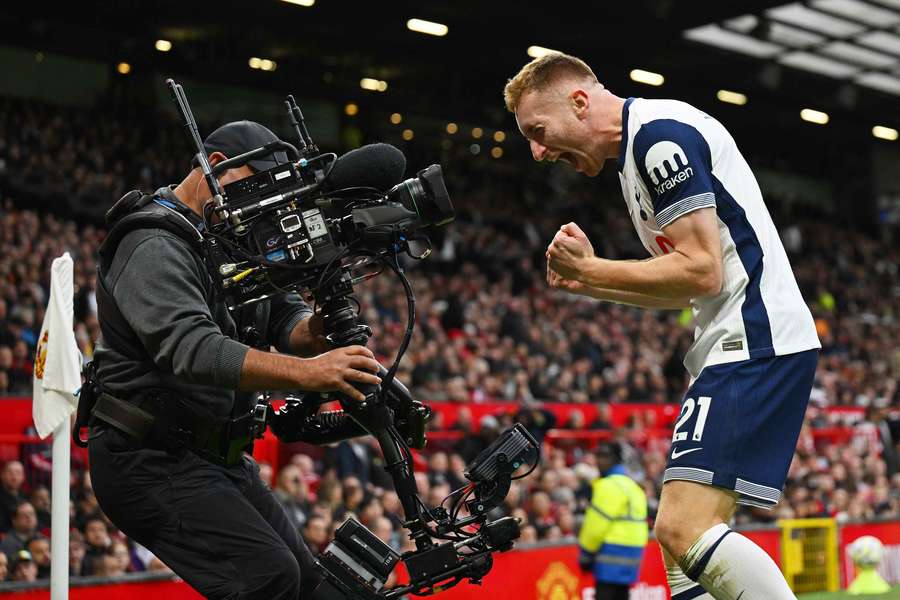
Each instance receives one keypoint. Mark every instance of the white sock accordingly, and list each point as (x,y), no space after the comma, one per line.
(731,567)
(682,588)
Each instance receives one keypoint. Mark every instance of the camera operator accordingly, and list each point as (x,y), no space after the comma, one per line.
(169,430)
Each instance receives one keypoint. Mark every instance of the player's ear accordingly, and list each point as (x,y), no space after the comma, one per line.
(580,102)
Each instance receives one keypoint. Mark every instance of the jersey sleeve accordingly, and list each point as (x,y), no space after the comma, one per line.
(675,163)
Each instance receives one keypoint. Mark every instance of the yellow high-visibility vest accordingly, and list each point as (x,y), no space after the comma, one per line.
(615,528)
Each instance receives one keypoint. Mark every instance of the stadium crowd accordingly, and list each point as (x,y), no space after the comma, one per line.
(488,329)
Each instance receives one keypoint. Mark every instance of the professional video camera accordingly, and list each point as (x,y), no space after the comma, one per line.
(318,224)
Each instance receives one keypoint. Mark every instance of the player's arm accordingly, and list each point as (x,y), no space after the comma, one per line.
(675,162)
(556,281)
(692,269)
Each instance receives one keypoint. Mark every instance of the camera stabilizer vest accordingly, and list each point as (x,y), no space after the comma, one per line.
(218,440)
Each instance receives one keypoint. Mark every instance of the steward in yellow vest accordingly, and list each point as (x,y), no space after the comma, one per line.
(614,532)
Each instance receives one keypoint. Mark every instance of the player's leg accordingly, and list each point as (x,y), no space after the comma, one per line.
(691,525)
(733,442)
(680,586)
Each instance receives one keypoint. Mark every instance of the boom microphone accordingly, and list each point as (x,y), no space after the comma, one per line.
(380,166)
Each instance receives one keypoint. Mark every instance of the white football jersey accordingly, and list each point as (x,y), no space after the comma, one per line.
(676,159)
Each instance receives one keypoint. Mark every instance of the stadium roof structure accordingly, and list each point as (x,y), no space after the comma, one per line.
(854,41)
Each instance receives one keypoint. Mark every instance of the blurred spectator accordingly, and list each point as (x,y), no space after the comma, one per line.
(23,567)
(39,548)
(40,499)
(265,473)
(315,533)
(12,479)
(77,553)
(292,492)
(119,551)
(96,539)
(24,527)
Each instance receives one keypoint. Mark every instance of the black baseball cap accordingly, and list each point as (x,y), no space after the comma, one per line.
(238,137)
(610,449)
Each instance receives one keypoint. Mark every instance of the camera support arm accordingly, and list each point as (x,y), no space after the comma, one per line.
(300,420)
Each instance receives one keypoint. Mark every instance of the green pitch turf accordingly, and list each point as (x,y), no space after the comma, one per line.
(894,594)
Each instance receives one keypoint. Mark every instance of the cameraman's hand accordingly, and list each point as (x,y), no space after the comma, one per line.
(338,369)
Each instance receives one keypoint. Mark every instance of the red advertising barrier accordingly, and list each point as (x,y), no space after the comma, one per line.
(170,590)
(545,573)
(889,534)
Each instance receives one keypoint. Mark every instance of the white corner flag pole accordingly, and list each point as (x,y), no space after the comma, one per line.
(59,512)
(57,377)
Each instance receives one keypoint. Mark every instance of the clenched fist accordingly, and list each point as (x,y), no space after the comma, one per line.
(567,252)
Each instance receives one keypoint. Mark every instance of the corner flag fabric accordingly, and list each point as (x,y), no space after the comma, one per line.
(57,361)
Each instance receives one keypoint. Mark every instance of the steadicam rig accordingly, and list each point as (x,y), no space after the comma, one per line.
(319,224)
(450,548)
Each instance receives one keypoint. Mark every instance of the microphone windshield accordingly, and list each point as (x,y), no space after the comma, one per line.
(380,166)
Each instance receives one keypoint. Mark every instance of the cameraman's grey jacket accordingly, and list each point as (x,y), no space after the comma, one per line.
(185,339)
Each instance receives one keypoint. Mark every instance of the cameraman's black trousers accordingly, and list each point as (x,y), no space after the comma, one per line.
(219,528)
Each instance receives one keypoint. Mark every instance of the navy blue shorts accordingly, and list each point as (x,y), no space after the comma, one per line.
(739,425)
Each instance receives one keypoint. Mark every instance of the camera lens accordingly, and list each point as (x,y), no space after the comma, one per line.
(426,195)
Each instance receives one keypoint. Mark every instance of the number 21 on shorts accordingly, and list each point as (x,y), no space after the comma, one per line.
(687,410)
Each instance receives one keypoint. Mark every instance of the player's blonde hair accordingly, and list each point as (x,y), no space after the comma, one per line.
(542,71)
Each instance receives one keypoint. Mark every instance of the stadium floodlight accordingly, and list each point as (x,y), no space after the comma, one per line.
(713,35)
(373,85)
(648,77)
(814,116)
(807,18)
(885,133)
(879,81)
(254,62)
(539,51)
(859,11)
(427,27)
(163,45)
(730,97)
(859,55)
(306,3)
(818,64)
(123,68)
